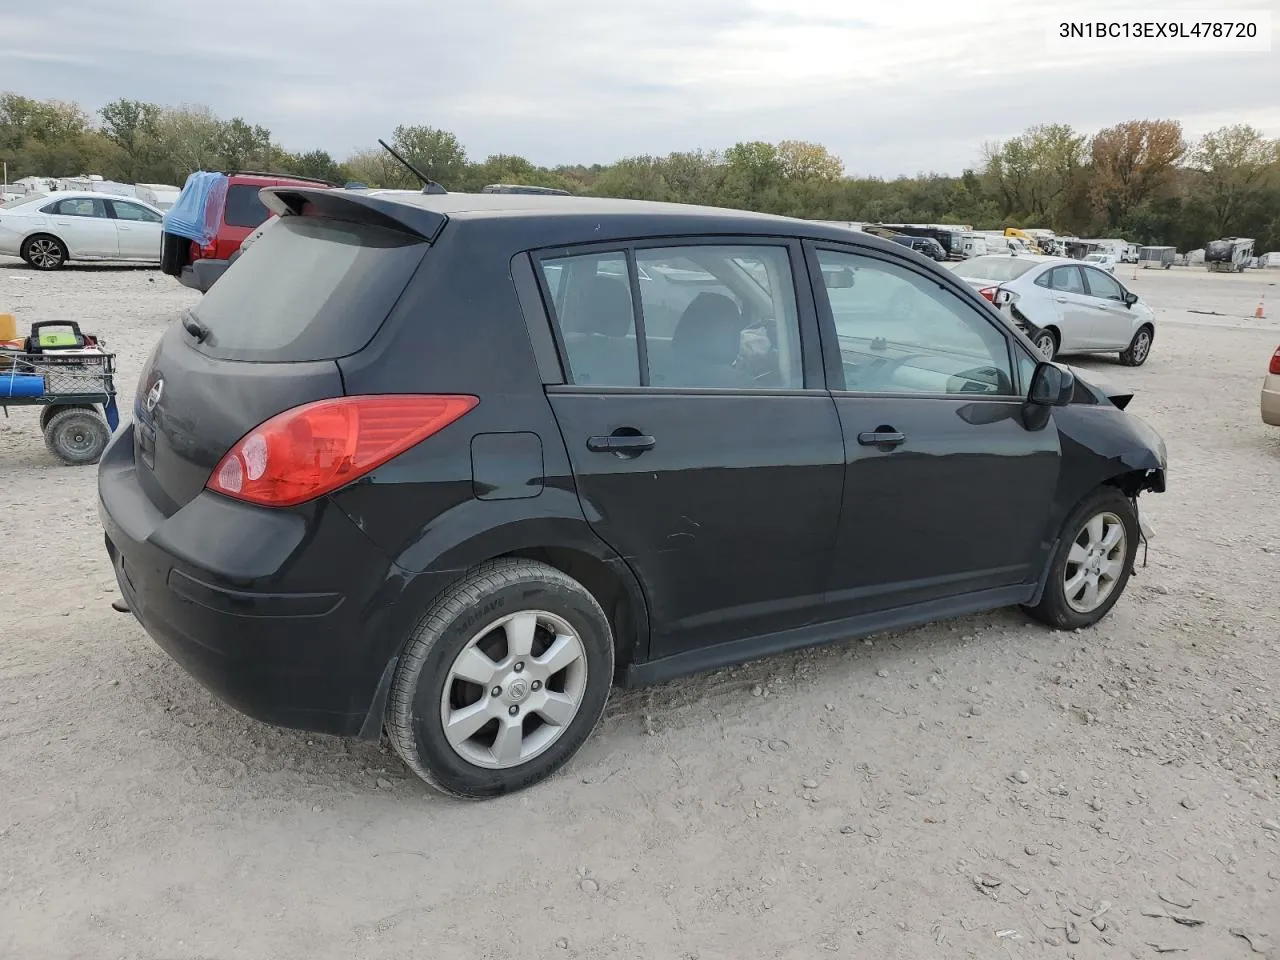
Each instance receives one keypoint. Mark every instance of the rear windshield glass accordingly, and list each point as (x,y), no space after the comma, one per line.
(308,289)
(244,209)
(993,268)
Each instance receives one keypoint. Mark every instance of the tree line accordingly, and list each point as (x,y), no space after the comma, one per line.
(1142,179)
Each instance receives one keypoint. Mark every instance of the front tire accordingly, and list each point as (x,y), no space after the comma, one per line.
(44,252)
(1092,564)
(1135,355)
(502,681)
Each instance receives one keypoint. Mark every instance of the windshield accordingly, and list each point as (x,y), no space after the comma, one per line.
(992,268)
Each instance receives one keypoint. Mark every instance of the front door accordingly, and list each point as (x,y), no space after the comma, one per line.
(1113,321)
(946,491)
(86,226)
(704,450)
(138,229)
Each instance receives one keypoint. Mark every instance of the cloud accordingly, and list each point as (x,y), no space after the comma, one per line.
(892,88)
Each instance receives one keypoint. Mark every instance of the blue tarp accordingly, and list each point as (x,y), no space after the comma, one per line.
(192,215)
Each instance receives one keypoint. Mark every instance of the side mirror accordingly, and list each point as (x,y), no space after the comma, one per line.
(1130,299)
(1051,385)
(838,279)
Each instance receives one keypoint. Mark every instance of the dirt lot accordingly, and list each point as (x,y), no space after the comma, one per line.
(981,788)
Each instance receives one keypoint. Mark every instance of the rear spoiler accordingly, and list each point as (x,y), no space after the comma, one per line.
(407,218)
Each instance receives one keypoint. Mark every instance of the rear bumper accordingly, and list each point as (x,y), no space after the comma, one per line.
(202,274)
(1271,401)
(278,613)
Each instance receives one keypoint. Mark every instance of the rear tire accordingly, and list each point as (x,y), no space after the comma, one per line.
(77,436)
(1092,564)
(1135,355)
(44,252)
(1046,344)
(502,681)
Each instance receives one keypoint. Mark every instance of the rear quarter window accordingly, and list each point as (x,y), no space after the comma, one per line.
(308,289)
(243,207)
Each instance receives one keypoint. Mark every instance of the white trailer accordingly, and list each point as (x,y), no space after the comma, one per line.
(1228,255)
(162,196)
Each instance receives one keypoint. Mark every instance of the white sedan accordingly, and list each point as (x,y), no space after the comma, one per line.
(1065,306)
(48,230)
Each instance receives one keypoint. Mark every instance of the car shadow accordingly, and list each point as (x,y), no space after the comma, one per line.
(225,749)
(75,266)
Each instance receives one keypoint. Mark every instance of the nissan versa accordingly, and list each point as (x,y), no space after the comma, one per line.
(453,465)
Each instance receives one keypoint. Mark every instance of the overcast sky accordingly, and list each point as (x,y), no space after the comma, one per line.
(892,87)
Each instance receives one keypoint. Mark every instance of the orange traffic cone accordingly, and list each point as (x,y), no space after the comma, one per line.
(1260,313)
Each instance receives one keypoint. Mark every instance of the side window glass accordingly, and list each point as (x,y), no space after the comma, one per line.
(1101,285)
(1067,279)
(81,207)
(901,333)
(131,211)
(1044,279)
(720,316)
(1026,364)
(593,309)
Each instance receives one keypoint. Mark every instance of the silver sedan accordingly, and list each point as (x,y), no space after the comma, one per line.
(1065,306)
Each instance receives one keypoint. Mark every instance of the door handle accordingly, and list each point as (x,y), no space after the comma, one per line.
(621,443)
(882,437)
(1060,299)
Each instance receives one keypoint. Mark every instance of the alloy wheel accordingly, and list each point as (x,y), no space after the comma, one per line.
(514,689)
(45,253)
(1095,562)
(1141,346)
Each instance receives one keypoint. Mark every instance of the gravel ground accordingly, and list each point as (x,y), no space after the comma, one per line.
(978,788)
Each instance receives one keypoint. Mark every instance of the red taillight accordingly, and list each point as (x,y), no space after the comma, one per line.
(1275,362)
(988,293)
(310,450)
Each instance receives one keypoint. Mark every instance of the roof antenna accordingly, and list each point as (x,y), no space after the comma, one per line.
(428,185)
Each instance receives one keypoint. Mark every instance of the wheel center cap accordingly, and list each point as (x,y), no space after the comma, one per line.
(518,689)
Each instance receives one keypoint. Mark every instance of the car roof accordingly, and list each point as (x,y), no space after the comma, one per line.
(79,194)
(552,220)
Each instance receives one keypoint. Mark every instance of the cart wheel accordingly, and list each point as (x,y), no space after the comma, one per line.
(47,412)
(76,435)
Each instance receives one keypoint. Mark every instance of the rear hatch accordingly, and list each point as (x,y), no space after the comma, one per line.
(266,338)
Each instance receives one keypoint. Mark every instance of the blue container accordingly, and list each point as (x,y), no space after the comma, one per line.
(15,385)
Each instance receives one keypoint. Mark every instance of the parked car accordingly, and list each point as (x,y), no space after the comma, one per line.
(1271,392)
(1065,306)
(463,487)
(928,246)
(48,230)
(1103,261)
(241,212)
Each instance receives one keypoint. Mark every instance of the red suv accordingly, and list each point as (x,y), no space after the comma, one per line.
(242,212)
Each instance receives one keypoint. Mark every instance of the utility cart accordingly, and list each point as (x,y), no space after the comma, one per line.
(72,376)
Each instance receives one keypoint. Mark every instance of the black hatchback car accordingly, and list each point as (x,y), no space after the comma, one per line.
(453,465)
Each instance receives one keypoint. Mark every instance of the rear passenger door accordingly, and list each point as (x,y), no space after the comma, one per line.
(705,448)
(1076,315)
(138,230)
